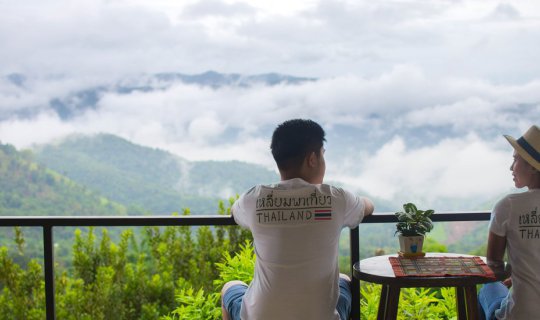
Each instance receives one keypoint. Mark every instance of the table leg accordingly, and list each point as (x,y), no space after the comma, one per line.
(472,302)
(460,303)
(388,304)
(392,302)
(381,313)
(467,302)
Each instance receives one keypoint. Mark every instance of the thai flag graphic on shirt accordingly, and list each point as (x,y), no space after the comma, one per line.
(323,214)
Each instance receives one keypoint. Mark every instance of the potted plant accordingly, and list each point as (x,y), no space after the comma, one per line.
(412,226)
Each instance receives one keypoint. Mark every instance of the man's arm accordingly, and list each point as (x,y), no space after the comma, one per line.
(368,207)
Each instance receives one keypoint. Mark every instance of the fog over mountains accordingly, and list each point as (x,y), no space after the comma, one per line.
(68,105)
(400,136)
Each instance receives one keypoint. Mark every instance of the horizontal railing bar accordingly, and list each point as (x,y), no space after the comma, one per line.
(113,221)
(194,220)
(440,216)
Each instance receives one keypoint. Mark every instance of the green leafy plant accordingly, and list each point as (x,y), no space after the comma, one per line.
(418,303)
(370,295)
(195,305)
(201,305)
(413,222)
(414,303)
(236,267)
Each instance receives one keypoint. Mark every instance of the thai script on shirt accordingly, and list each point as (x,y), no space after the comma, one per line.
(271,209)
(529,225)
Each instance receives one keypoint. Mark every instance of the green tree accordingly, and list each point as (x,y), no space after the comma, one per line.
(23,294)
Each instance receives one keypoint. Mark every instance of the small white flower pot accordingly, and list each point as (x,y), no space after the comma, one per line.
(411,244)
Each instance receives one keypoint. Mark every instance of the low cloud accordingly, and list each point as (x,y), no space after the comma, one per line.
(427,139)
(460,168)
(45,128)
(205,128)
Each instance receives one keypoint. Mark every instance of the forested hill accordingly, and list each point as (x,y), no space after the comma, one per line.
(153,179)
(27,188)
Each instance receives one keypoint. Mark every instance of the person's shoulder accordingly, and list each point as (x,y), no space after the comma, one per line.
(251,192)
(329,188)
(336,190)
(256,189)
(505,199)
(521,195)
(252,189)
(509,199)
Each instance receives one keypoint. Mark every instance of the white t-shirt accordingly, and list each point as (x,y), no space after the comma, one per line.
(296,228)
(517,218)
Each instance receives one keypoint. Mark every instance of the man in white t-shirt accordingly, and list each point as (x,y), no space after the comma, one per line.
(296,225)
(515,229)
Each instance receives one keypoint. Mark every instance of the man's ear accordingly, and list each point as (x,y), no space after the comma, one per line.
(312,160)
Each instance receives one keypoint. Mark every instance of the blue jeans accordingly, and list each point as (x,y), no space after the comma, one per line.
(492,299)
(232,300)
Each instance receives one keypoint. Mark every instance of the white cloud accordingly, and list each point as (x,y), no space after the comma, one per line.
(205,128)
(505,11)
(461,168)
(252,150)
(470,113)
(43,129)
(207,8)
(314,38)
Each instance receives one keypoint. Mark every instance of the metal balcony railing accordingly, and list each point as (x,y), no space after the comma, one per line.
(49,222)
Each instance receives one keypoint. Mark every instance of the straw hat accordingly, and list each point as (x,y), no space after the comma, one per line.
(528,146)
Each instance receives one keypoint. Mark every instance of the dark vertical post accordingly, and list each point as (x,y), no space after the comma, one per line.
(355,283)
(48,249)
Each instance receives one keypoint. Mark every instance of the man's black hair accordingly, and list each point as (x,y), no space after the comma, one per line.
(293,140)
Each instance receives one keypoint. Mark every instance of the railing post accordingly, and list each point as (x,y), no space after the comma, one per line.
(355,283)
(48,249)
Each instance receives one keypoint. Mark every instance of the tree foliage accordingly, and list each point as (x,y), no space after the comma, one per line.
(170,273)
(27,188)
(137,277)
(414,303)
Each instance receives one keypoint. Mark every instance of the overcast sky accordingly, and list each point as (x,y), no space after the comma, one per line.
(469,67)
(480,38)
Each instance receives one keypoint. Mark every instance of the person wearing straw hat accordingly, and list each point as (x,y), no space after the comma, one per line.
(514,229)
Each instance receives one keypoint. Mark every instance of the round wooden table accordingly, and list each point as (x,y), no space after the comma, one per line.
(379,270)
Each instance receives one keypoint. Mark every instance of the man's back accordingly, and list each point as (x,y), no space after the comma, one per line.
(296,228)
